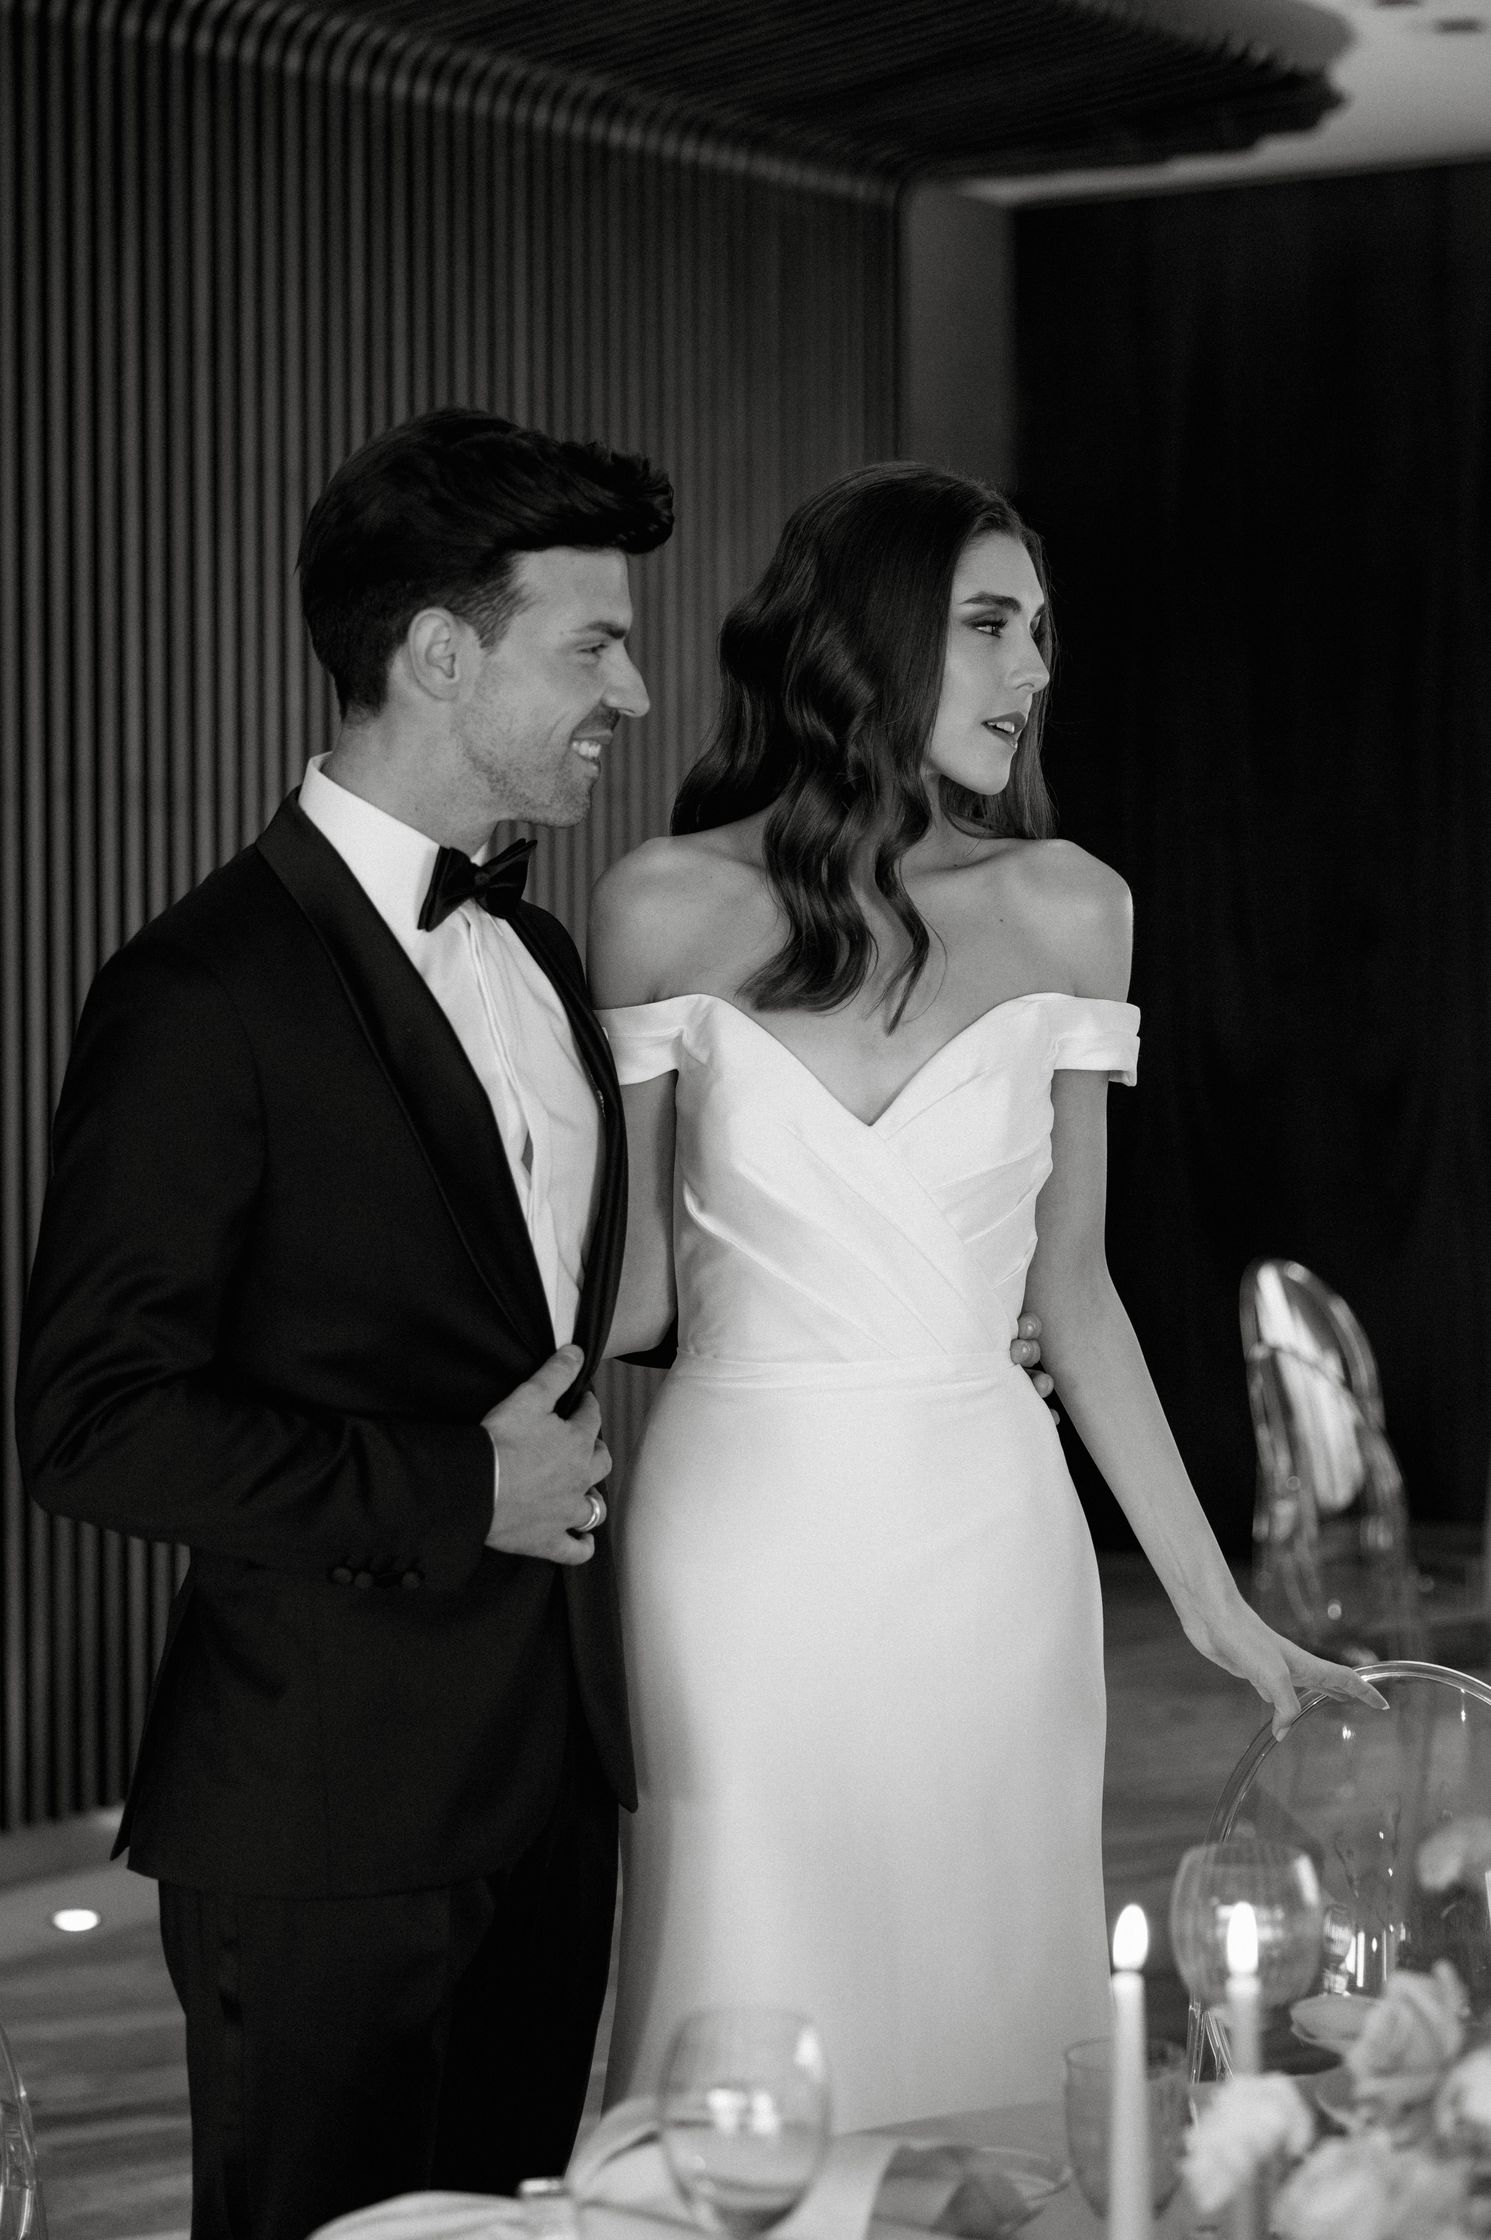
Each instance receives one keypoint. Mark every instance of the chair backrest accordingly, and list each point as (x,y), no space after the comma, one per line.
(22,2211)
(1359,1790)
(1288,1309)
(1312,1387)
(1332,1563)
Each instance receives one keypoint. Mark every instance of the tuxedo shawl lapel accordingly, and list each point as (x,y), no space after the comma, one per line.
(429,1073)
(547,942)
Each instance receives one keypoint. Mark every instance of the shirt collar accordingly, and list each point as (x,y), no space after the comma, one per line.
(391,861)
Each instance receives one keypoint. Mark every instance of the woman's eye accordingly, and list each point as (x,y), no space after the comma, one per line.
(993,623)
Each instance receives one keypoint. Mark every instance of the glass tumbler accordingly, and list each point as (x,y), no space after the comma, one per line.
(1088,2093)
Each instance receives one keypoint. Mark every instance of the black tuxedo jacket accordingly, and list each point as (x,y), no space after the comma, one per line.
(282,1274)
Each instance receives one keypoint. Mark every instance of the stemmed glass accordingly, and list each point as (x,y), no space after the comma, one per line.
(1283,1889)
(744,2114)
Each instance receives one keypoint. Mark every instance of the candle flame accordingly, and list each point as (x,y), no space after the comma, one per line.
(1242,1941)
(1130,1938)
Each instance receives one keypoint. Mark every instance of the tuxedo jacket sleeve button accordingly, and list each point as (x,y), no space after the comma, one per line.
(362,1578)
(341,1576)
(412,1579)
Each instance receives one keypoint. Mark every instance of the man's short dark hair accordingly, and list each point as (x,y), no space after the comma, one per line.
(434,514)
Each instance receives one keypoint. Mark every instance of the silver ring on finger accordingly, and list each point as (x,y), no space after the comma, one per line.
(596,1512)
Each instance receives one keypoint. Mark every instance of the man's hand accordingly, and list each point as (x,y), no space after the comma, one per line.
(1025,1352)
(546,1467)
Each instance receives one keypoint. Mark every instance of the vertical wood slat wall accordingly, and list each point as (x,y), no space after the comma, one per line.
(236,238)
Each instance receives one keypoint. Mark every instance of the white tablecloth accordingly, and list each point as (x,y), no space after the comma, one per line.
(1039,2129)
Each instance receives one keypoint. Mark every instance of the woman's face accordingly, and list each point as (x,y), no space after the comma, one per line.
(994,668)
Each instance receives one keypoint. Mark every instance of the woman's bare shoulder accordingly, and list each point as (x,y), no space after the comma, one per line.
(1081,907)
(652,912)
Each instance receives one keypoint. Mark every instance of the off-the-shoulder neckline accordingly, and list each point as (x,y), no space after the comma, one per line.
(1009,1003)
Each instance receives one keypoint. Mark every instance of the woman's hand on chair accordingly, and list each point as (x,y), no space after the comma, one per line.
(1237,1639)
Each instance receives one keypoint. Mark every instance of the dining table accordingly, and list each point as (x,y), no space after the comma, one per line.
(1036,2128)
(1039,2128)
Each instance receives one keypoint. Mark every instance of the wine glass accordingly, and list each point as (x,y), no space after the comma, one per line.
(743,2115)
(1283,1889)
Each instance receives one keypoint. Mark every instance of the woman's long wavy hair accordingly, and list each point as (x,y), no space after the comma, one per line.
(832,673)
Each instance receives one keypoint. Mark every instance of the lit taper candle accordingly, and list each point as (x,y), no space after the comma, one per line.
(1130,2187)
(1245,2038)
(1243,2010)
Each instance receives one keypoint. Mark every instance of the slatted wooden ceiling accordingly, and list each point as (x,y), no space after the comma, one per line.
(933,87)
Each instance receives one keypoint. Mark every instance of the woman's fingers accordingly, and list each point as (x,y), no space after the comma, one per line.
(1280,1691)
(1338,1680)
(1278,1669)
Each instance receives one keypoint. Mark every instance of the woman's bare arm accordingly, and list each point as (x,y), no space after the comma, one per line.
(1106,1389)
(1102,1379)
(648,1298)
(628,912)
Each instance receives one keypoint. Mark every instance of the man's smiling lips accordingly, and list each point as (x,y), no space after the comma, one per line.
(588,744)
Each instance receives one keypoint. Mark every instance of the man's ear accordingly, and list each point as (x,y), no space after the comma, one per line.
(431,653)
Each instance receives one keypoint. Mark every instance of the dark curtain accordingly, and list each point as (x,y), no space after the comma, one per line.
(1256,434)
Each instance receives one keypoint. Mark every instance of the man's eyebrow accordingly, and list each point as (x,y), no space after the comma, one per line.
(607,629)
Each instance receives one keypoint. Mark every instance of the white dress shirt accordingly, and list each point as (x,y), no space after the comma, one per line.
(508,1019)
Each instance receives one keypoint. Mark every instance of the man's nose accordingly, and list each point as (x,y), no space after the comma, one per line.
(626,692)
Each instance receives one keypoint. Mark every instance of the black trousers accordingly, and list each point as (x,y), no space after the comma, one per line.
(340,2050)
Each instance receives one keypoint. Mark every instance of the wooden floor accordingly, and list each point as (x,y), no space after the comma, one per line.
(97,2034)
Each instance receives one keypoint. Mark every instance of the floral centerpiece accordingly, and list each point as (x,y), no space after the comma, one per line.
(1408,2156)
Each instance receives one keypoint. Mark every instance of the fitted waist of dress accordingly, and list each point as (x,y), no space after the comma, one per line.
(924,1371)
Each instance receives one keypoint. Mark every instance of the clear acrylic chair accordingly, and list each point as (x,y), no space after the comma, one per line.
(1331,1562)
(1359,1790)
(22,2212)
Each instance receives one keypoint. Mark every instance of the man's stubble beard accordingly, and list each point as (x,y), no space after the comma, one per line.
(526,787)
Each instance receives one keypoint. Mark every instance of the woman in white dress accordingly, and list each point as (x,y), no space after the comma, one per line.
(865,1013)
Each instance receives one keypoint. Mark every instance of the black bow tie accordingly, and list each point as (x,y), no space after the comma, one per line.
(497,885)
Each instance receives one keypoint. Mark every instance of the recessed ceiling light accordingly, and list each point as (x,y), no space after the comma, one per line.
(73,1920)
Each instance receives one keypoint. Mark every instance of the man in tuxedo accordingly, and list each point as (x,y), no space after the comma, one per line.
(325,1267)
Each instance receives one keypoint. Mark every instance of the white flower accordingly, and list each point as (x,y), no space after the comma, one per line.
(1245,2123)
(1363,2188)
(1462,2106)
(1459,1851)
(1413,2033)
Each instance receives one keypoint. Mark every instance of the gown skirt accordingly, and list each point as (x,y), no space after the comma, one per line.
(865,1648)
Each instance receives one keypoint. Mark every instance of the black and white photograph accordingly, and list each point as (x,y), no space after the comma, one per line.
(745,1119)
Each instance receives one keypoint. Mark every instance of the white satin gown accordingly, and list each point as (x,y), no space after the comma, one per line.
(860,1602)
